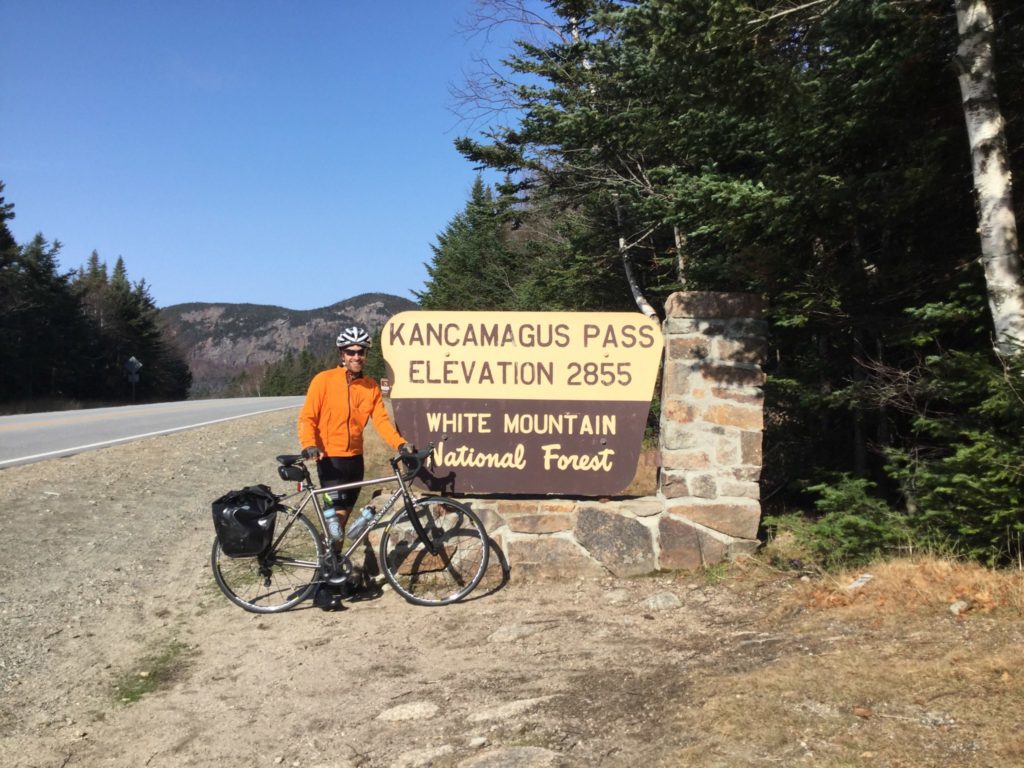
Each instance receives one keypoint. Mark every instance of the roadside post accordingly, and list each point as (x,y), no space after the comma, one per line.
(132,366)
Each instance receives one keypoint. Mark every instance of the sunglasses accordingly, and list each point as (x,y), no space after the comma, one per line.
(354,352)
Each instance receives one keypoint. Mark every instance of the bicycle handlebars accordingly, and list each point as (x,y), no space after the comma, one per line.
(413,462)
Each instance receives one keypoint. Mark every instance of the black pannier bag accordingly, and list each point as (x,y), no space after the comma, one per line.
(244,520)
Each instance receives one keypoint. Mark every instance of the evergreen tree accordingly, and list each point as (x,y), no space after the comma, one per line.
(126,324)
(7,241)
(11,281)
(374,365)
(520,255)
(472,266)
(44,329)
(812,153)
(68,335)
(291,374)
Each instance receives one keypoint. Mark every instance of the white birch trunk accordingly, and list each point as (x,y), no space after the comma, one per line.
(681,246)
(634,287)
(627,265)
(997,225)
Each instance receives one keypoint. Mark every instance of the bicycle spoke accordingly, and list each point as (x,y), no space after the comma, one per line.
(448,569)
(278,580)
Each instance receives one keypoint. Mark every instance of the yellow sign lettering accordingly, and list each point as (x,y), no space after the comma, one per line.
(594,462)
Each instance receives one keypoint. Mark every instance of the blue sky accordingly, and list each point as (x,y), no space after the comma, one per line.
(290,153)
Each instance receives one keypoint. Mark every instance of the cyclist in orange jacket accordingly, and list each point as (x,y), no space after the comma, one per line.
(339,404)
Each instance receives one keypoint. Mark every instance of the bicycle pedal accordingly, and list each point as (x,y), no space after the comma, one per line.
(324,600)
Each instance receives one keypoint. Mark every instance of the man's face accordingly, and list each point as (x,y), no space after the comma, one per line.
(352,358)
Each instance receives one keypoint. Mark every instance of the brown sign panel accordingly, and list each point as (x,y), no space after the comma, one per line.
(531,402)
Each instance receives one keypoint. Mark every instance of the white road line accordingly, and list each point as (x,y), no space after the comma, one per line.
(78,448)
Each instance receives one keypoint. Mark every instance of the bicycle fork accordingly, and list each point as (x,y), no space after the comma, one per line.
(434,547)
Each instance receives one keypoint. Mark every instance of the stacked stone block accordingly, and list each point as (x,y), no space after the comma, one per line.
(712,414)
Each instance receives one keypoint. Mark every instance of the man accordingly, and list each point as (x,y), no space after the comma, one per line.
(339,404)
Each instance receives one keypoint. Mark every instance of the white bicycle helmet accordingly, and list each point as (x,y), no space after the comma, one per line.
(354,335)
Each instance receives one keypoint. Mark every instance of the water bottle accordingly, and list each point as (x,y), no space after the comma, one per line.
(333,526)
(365,516)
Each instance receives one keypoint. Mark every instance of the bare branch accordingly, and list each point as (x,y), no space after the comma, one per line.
(489,15)
(788,11)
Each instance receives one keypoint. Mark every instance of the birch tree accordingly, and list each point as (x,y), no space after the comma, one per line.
(997,225)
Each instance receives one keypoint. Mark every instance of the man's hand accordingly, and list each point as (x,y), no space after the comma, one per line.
(407,449)
(312,452)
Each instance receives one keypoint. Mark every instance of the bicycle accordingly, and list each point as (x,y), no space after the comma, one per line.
(433,550)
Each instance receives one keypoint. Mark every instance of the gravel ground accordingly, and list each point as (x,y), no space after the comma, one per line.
(117,649)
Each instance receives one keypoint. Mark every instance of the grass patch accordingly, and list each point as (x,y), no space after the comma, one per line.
(715,574)
(156,670)
(875,673)
(921,584)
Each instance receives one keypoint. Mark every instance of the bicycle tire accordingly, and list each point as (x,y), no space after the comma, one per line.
(423,578)
(278,580)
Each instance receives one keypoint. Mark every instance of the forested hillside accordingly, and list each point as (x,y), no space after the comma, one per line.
(815,153)
(65,337)
(258,349)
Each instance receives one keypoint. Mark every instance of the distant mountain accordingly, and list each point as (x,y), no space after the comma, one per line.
(221,341)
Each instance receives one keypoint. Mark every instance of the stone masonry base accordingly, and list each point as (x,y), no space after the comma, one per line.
(560,538)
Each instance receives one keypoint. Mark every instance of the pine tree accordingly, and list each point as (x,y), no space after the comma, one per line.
(7,241)
(126,323)
(472,266)
(68,335)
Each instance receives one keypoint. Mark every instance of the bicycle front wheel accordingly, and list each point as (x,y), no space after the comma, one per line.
(279,579)
(447,569)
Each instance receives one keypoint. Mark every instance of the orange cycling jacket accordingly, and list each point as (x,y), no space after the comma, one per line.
(336,411)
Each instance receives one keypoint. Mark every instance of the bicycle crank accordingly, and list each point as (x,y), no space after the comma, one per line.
(341,571)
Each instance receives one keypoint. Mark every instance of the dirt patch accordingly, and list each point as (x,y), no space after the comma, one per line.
(117,649)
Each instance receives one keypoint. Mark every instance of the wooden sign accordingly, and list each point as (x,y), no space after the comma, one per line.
(532,402)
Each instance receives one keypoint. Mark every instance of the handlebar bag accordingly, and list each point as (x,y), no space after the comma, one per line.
(244,520)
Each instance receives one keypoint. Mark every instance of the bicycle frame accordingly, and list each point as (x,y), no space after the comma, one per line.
(311,496)
(436,557)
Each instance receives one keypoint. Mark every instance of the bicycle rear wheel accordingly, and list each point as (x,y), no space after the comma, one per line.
(278,580)
(446,571)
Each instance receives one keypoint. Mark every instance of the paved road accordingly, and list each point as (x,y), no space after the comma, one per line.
(32,437)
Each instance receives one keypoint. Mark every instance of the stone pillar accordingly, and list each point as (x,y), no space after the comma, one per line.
(712,420)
